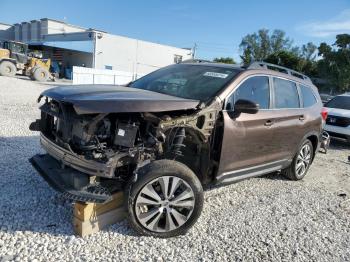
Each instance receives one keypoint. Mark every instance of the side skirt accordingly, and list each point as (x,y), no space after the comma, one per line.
(237,175)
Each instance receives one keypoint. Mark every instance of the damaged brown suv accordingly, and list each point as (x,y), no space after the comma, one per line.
(163,137)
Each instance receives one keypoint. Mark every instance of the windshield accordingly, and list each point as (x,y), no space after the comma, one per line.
(199,82)
(341,102)
(18,48)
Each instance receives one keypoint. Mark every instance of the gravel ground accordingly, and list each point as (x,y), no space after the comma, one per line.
(267,218)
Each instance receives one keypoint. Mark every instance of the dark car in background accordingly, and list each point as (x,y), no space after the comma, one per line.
(325,98)
(166,135)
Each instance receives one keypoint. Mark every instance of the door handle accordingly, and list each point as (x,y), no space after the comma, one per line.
(301,118)
(268,123)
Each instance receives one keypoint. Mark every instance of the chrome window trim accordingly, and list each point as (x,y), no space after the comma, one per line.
(298,92)
(272,98)
(240,83)
(312,92)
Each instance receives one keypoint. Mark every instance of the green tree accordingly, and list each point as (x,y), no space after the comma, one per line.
(259,45)
(343,41)
(335,63)
(284,58)
(293,61)
(309,51)
(225,60)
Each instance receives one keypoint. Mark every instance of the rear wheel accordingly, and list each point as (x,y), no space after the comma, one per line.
(41,74)
(166,200)
(301,162)
(8,68)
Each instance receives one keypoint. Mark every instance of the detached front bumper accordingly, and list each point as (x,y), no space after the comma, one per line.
(70,159)
(73,184)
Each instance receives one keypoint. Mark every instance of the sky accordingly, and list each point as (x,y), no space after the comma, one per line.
(216,27)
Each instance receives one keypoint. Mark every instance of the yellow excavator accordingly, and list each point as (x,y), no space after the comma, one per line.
(15,58)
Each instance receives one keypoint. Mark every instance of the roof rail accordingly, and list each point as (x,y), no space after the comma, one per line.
(195,61)
(264,65)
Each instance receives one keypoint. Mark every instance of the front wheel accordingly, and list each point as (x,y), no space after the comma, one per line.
(165,201)
(41,74)
(301,162)
(7,68)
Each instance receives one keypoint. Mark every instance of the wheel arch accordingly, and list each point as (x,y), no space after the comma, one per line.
(196,154)
(314,139)
(9,60)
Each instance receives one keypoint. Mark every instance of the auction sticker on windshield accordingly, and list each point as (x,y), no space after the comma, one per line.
(215,74)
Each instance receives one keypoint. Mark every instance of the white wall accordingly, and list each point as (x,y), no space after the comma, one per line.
(119,52)
(132,55)
(151,56)
(83,75)
(56,27)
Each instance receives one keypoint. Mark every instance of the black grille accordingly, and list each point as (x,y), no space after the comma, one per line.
(338,121)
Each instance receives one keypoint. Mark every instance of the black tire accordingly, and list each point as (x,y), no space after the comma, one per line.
(291,171)
(41,74)
(8,68)
(31,75)
(153,171)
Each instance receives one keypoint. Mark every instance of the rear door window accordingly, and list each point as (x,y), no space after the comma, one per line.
(286,94)
(308,96)
(255,89)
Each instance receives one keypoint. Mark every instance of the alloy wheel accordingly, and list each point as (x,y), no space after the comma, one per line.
(164,204)
(303,160)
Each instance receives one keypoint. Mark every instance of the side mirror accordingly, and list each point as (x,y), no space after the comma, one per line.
(246,106)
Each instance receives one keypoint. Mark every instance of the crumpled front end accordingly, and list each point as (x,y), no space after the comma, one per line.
(91,156)
(71,183)
(88,157)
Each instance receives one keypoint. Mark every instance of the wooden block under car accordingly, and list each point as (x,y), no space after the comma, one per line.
(88,227)
(85,211)
(90,218)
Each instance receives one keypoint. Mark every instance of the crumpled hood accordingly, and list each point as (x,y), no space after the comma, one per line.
(88,99)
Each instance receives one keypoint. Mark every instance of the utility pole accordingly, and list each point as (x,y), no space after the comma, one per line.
(93,34)
(194,50)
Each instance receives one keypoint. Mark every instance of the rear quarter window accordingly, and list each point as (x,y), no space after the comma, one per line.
(308,96)
(286,93)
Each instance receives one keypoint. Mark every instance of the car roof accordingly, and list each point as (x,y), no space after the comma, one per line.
(261,67)
(222,65)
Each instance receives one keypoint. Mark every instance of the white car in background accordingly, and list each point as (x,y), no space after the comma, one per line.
(338,120)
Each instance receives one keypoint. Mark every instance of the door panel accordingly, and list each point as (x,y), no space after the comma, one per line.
(287,131)
(288,117)
(247,137)
(246,141)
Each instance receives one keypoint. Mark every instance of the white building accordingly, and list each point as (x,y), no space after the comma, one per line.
(76,46)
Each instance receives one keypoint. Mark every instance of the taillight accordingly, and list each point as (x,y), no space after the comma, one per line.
(324,113)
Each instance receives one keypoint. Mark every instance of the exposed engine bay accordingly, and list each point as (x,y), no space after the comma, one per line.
(113,145)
